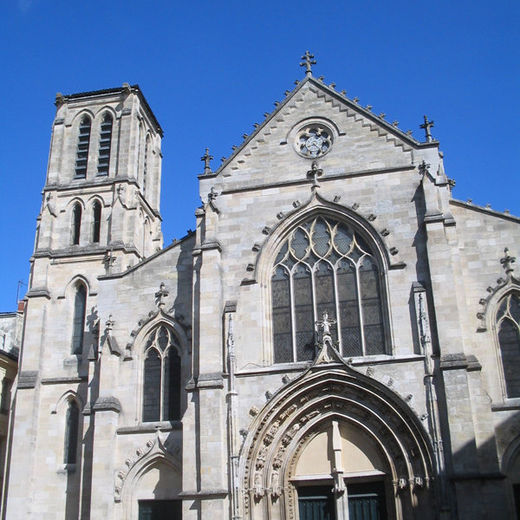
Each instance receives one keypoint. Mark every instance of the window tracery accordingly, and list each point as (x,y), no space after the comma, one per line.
(162,376)
(508,330)
(325,266)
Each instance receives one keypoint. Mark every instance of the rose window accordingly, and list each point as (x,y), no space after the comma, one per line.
(313,141)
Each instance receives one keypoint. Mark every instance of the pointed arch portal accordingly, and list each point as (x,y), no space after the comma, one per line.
(334,441)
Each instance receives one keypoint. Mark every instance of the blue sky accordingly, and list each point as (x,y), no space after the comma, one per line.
(211,69)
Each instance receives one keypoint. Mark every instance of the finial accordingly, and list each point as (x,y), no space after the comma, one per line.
(212,195)
(160,295)
(314,173)
(507,262)
(356,99)
(395,123)
(206,158)
(427,126)
(308,61)
(424,167)
(382,115)
(325,324)
(109,324)
(60,99)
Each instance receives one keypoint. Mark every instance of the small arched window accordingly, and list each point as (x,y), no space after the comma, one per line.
(96,221)
(78,323)
(324,265)
(162,377)
(83,147)
(76,223)
(508,329)
(105,141)
(71,433)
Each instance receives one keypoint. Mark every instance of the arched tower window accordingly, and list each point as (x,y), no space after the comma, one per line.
(76,223)
(508,329)
(96,221)
(105,141)
(162,377)
(324,265)
(71,433)
(83,147)
(78,323)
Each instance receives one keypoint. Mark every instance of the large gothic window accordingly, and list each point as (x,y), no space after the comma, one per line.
(83,147)
(508,328)
(105,141)
(326,266)
(162,376)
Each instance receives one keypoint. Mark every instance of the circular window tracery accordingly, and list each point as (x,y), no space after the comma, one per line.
(313,140)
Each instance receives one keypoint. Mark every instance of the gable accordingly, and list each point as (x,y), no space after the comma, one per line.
(361,141)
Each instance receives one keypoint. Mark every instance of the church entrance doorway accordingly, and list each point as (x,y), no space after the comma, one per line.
(160,510)
(366,501)
(316,503)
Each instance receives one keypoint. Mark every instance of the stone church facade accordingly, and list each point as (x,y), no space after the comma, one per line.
(338,338)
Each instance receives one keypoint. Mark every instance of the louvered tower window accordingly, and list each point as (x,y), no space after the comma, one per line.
(105,141)
(508,328)
(83,147)
(325,266)
(96,221)
(162,377)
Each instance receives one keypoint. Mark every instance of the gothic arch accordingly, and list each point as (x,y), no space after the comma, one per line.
(302,409)
(153,454)
(315,207)
(66,397)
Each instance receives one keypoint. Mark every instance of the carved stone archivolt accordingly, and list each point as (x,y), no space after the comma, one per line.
(306,407)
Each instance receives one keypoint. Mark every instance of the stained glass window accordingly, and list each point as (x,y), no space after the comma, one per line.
(324,265)
(162,377)
(508,327)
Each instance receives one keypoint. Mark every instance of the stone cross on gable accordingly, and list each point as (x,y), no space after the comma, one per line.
(325,323)
(160,295)
(308,61)
(427,126)
(507,262)
(206,158)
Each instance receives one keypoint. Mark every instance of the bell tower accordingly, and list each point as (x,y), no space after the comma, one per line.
(102,192)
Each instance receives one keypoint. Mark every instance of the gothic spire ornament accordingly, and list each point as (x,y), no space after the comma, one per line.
(206,158)
(308,61)
(427,125)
